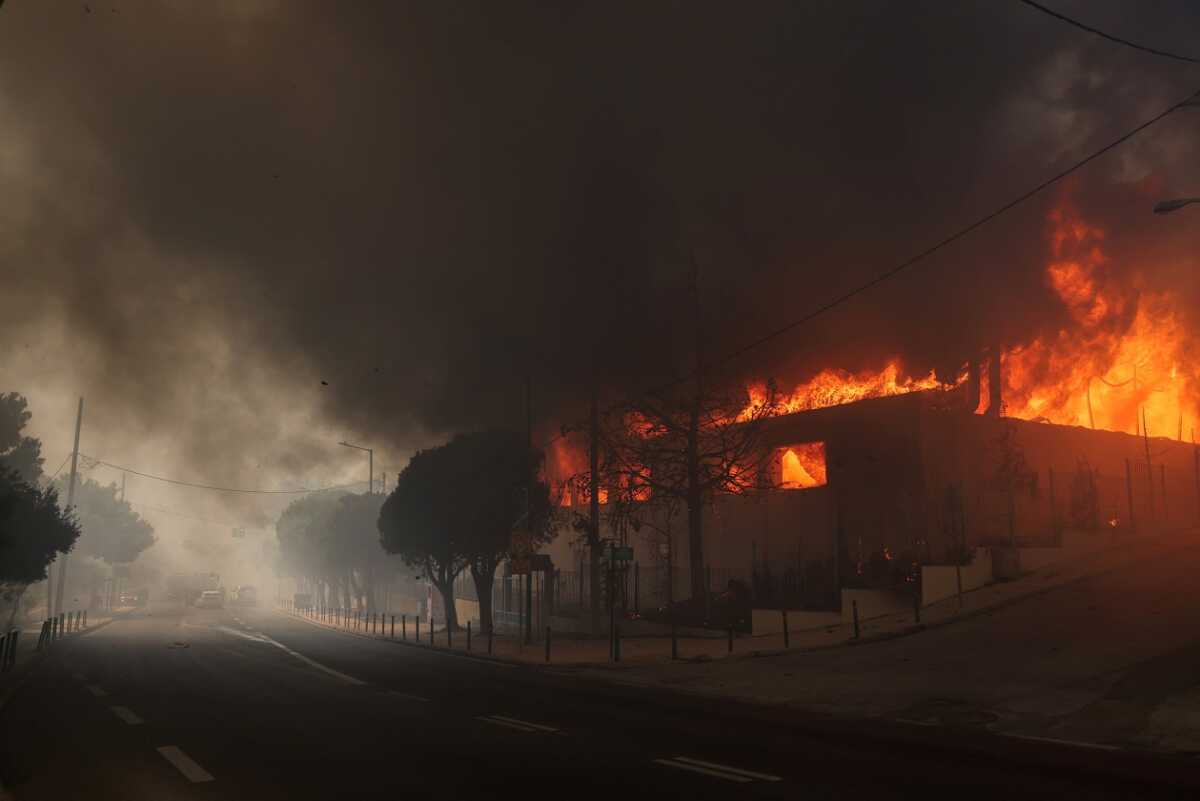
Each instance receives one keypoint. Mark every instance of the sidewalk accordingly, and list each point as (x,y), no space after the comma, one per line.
(572,650)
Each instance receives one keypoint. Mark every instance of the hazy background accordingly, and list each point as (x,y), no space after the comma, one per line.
(244,230)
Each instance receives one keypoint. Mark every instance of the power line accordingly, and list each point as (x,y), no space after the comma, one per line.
(68,456)
(1190,100)
(173,513)
(1097,32)
(215,488)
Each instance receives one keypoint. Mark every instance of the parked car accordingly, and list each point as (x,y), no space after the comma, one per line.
(211,599)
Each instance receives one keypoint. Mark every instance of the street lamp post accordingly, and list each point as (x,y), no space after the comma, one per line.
(1168,206)
(371,463)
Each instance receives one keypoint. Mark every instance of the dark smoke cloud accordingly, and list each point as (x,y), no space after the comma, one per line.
(211,209)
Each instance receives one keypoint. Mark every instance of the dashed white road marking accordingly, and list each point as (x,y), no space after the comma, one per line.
(306,660)
(408,696)
(126,715)
(184,764)
(719,771)
(237,633)
(1056,741)
(97,690)
(513,723)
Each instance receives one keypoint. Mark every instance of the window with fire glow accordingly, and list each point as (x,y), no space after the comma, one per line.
(801,466)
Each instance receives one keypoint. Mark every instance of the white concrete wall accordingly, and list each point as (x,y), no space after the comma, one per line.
(467,610)
(873,603)
(939,582)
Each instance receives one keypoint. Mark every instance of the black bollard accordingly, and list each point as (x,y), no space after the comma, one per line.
(547,644)
(404,627)
(468,636)
(431,631)
(393,627)
(854,609)
(786,642)
(417,620)
(491,629)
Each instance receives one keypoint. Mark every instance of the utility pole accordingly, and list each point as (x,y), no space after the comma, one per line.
(594,512)
(370,463)
(529,478)
(62,568)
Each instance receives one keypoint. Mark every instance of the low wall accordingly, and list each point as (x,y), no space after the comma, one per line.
(939,582)
(1075,544)
(467,610)
(770,621)
(873,603)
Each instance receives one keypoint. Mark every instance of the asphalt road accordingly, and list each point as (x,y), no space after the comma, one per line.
(176,703)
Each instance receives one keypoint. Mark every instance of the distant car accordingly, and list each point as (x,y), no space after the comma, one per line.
(211,599)
(133,598)
(246,596)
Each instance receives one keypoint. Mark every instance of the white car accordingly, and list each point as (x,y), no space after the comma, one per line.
(210,599)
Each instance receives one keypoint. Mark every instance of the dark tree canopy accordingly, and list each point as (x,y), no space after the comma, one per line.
(302,531)
(110,529)
(33,530)
(17,451)
(456,506)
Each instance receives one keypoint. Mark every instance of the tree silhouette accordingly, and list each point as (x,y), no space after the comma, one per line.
(455,507)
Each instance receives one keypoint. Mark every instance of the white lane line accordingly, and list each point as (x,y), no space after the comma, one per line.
(184,764)
(765,777)
(309,662)
(731,777)
(126,715)
(505,724)
(1056,741)
(515,722)
(97,690)
(242,634)
(408,696)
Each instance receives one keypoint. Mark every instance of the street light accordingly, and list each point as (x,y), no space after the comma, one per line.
(1168,206)
(371,455)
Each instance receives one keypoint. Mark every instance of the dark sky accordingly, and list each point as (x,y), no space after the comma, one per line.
(207,209)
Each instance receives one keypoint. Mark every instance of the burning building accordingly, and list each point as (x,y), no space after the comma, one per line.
(1073,437)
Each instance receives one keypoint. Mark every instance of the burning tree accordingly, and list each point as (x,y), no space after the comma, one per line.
(685,444)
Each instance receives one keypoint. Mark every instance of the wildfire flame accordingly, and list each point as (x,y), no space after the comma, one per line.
(833,387)
(1123,355)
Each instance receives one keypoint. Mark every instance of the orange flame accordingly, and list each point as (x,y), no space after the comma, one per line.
(832,387)
(1122,356)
